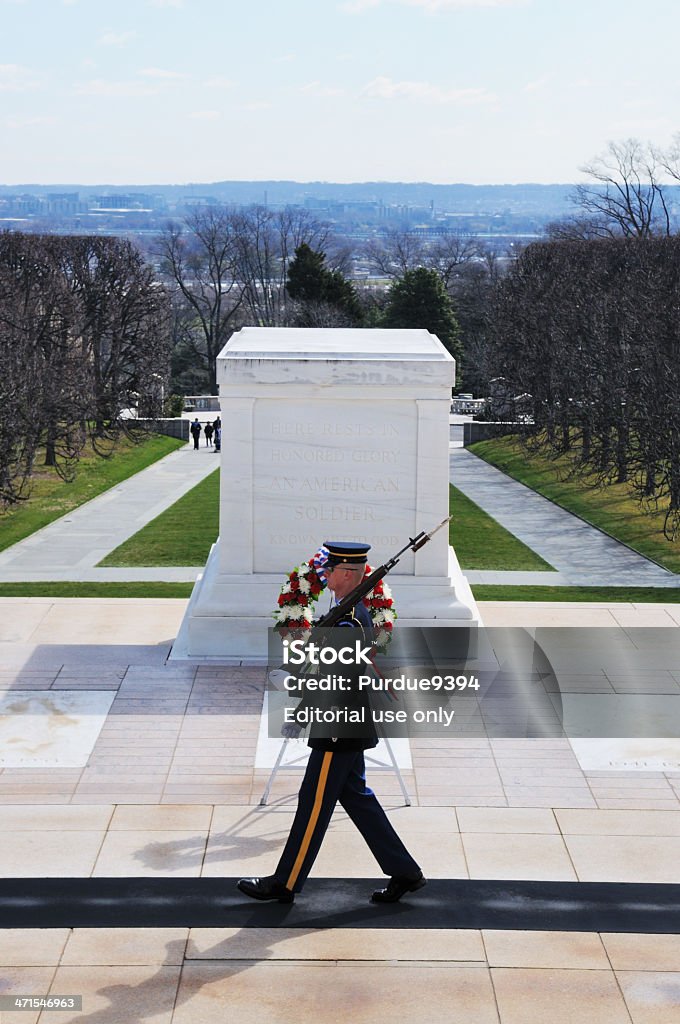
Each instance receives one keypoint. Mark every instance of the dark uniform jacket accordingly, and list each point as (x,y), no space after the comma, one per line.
(356,737)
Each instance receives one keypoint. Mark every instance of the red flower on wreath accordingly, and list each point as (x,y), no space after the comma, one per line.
(305,584)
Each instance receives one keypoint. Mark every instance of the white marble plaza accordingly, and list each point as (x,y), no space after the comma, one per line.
(54,729)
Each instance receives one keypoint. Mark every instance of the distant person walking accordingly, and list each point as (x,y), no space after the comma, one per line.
(217,427)
(209,429)
(196,430)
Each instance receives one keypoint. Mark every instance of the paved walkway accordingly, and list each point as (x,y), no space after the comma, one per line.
(71,547)
(581,554)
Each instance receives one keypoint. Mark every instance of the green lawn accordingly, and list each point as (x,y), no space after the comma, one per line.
(613,509)
(141,588)
(51,497)
(182,535)
(633,595)
(482,543)
(609,595)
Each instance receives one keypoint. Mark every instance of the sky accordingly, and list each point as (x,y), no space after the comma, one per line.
(479,91)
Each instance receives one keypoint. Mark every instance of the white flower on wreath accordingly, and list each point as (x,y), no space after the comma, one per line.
(291,615)
(296,611)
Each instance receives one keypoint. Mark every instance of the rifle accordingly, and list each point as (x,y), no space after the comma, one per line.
(367,584)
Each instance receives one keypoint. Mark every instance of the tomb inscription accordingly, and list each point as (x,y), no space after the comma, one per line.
(317,473)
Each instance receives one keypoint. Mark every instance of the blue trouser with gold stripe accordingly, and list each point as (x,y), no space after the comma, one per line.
(333,776)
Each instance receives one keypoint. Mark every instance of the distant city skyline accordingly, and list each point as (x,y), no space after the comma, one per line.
(442,91)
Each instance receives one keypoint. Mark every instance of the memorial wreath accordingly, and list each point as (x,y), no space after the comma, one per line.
(305,584)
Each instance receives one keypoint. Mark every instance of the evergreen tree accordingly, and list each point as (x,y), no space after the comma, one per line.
(420,300)
(307,275)
(312,284)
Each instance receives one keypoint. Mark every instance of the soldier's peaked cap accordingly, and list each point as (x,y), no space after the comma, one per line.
(346,552)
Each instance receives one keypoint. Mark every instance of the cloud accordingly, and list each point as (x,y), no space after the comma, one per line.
(205,115)
(116,38)
(433,6)
(29,122)
(537,85)
(162,74)
(584,83)
(386,89)
(641,127)
(104,87)
(317,89)
(16,78)
(219,82)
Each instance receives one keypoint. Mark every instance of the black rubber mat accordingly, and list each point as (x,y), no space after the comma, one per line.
(339,903)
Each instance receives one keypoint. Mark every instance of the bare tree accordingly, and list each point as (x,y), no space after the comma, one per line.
(200,259)
(452,251)
(83,326)
(589,330)
(578,229)
(124,330)
(395,253)
(471,289)
(625,195)
(399,251)
(669,159)
(67,394)
(20,376)
(266,241)
(45,373)
(228,267)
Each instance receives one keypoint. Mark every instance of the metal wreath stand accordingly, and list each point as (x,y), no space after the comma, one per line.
(279,765)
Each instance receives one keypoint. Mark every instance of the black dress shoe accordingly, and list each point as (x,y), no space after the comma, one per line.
(396,887)
(266,889)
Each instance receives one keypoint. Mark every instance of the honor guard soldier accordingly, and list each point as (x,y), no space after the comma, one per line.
(336,773)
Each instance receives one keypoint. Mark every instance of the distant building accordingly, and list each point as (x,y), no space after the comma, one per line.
(64,204)
(201,403)
(467,405)
(123,201)
(22,205)
(191,202)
